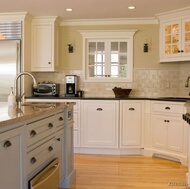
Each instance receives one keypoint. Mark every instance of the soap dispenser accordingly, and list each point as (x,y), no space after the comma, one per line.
(12,99)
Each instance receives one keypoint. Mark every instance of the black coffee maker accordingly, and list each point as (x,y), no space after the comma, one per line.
(71,85)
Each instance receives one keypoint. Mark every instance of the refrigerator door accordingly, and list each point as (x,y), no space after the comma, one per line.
(9,66)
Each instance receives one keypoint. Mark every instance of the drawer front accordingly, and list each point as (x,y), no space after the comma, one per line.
(168,107)
(39,130)
(39,155)
(59,120)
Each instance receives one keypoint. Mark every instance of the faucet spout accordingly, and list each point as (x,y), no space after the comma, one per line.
(187,82)
(18,98)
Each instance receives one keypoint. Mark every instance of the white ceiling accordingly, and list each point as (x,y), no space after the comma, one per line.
(92,9)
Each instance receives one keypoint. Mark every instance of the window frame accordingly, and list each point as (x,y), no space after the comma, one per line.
(111,36)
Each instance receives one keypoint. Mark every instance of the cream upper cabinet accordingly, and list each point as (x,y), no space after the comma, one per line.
(99,123)
(131,123)
(45,33)
(108,55)
(175,36)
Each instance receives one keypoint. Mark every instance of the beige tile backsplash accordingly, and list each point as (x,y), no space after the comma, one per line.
(146,83)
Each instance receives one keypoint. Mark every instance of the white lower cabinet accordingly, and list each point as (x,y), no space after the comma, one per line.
(131,123)
(11,158)
(169,134)
(99,123)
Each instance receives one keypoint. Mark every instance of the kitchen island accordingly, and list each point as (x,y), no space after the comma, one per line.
(33,136)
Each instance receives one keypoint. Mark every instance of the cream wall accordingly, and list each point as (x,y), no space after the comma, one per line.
(150,78)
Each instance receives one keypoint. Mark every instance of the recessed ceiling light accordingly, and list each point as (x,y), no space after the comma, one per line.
(69,9)
(131,7)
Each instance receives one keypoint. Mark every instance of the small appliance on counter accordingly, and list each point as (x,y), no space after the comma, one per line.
(47,88)
(71,86)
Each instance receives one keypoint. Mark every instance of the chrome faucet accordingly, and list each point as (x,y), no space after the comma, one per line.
(19,98)
(187,82)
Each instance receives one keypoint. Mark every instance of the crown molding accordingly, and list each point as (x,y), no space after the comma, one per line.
(109,21)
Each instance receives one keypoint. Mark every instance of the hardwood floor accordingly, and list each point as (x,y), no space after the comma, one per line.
(127,172)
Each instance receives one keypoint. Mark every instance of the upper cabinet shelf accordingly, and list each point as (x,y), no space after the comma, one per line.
(45,33)
(175,36)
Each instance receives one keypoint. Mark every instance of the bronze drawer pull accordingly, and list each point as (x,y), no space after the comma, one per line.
(50,148)
(167,108)
(99,109)
(131,109)
(59,139)
(50,125)
(33,133)
(7,144)
(60,118)
(33,160)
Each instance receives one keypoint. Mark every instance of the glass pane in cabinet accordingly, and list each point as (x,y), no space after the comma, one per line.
(114,70)
(168,29)
(123,71)
(168,39)
(187,37)
(175,29)
(100,47)
(167,49)
(114,47)
(91,71)
(99,70)
(91,59)
(114,58)
(123,59)
(187,26)
(92,47)
(123,47)
(187,47)
(175,39)
(174,49)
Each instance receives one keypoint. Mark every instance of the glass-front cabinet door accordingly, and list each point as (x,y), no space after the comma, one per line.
(108,55)
(175,41)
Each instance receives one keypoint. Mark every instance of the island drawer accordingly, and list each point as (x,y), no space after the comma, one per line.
(59,120)
(167,107)
(38,156)
(40,129)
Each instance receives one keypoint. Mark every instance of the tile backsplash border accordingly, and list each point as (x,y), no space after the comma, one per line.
(146,83)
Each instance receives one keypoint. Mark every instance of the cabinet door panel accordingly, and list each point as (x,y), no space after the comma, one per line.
(175,134)
(131,122)
(100,124)
(11,160)
(159,131)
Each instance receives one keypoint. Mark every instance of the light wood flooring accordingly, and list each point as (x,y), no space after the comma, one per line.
(127,172)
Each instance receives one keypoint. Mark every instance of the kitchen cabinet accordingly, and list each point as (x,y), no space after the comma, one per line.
(175,37)
(99,123)
(11,158)
(131,123)
(108,55)
(45,37)
(168,129)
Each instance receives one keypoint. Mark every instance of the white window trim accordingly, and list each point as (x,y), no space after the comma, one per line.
(107,34)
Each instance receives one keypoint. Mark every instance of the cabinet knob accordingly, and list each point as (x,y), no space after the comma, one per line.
(50,148)
(60,118)
(33,133)
(131,109)
(59,139)
(7,144)
(49,62)
(167,108)
(50,125)
(33,160)
(99,109)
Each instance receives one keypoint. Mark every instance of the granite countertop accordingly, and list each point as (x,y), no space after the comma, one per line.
(10,115)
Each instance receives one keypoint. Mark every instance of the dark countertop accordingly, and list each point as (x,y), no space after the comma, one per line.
(175,99)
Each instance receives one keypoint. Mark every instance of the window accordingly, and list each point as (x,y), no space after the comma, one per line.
(108,55)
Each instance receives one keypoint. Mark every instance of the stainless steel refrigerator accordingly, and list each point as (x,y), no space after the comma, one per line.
(9,66)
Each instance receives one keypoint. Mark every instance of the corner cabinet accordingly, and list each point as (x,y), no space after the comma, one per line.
(168,130)
(175,36)
(99,123)
(108,55)
(45,33)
